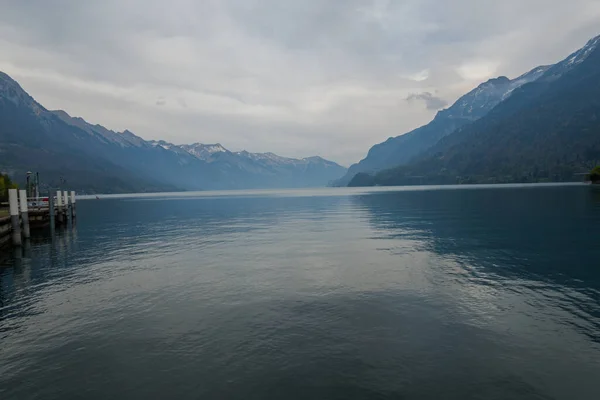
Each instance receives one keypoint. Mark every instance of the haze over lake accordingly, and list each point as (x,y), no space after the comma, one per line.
(411,293)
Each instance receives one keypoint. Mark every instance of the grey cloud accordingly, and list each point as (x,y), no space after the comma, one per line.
(325,76)
(431,102)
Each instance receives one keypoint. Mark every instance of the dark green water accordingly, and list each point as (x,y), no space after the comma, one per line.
(473,293)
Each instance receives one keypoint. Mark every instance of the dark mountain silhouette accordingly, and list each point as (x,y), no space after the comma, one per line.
(547,130)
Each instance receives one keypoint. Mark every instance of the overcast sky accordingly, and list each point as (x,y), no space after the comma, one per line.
(295,77)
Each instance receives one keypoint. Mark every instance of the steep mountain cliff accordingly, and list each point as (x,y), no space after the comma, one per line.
(547,130)
(402,149)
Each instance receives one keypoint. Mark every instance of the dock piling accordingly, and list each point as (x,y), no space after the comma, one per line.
(51,210)
(59,208)
(24,213)
(13,201)
(73,211)
(66,204)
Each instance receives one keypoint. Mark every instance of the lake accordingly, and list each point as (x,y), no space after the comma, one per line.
(404,293)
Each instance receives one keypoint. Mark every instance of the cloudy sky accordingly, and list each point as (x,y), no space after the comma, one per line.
(295,77)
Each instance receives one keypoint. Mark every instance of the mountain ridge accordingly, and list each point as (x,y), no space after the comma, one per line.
(57,144)
(468,108)
(548,130)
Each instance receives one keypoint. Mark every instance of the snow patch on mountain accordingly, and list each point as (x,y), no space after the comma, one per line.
(582,54)
(561,68)
(204,151)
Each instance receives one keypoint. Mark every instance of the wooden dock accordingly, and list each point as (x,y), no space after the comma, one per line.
(26,214)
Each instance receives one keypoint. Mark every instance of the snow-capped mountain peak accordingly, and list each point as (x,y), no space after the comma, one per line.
(162,144)
(487,95)
(581,54)
(572,61)
(204,151)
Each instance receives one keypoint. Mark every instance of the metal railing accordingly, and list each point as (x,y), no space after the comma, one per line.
(38,202)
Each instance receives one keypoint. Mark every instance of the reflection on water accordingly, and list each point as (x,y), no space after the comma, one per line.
(464,293)
(542,244)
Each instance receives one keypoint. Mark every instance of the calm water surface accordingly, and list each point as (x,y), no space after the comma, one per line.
(476,293)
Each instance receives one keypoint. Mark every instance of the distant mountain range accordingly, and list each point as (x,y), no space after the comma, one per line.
(542,126)
(95,159)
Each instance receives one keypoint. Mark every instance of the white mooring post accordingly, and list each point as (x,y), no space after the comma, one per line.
(66,204)
(59,213)
(51,210)
(73,211)
(13,201)
(24,213)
